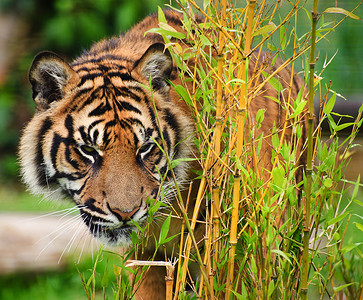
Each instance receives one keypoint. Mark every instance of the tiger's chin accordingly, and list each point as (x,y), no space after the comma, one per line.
(115,236)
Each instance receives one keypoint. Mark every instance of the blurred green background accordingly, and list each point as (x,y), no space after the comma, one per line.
(69,26)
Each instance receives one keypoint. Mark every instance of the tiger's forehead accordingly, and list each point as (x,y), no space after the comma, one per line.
(107,112)
(95,74)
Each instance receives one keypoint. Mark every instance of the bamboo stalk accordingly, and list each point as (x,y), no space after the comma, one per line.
(306,204)
(217,136)
(239,146)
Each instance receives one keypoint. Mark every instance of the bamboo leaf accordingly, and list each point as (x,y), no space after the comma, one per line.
(161,16)
(260,115)
(283,38)
(164,230)
(283,254)
(338,10)
(330,104)
(339,288)
(298,110)
(359,226)
(274,82)
(351,247)
(176,162)
(265,29)
(337,219)
(167,30)
(356,188)
(328,182)
(134,238)
(105,278)
(343,126)
(239,296)
(182,92)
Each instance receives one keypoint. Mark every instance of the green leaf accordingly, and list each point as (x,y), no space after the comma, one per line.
(356,187)
(350,247)
(161,16)
(176,162)
(164,230)
(328,182)
(260,115)
(104,281)
(182,92)
(271,288)
(283,254)
(265,29)
(339,288)
(134,238)
(205,41)
(338,10)
(278,177)
(337,219)
(359,226)
(283,37)
(330,104)
(166,30)
(239,296)
(274,82)
(332,123)
(298,110)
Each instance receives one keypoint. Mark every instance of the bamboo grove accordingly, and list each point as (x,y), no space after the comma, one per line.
(267,235)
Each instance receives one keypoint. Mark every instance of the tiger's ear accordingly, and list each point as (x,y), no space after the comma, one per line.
(156,64)
(49,75)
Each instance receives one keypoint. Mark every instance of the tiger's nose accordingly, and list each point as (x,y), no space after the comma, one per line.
(124,215)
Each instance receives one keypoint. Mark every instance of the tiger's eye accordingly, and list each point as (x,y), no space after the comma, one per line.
(88,150)
(144,147)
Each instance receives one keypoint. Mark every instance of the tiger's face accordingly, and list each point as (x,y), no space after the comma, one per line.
(102,136)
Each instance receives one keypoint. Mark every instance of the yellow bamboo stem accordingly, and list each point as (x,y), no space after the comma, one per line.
(217,136)
(239,147)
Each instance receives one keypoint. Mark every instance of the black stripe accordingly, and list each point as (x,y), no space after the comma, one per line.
(89,76)
(69,159)
(39,159)
(123,76)
(123,105)
(153,118)
(57,139)
(126,92)
(100,109)
(68,123)
(99,59)
(171,120)
(84,136)
(167,140)
(90,205)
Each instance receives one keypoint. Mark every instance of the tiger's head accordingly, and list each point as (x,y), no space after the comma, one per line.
(101,136)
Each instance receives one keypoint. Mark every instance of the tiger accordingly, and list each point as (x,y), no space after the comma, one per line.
(97,129)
